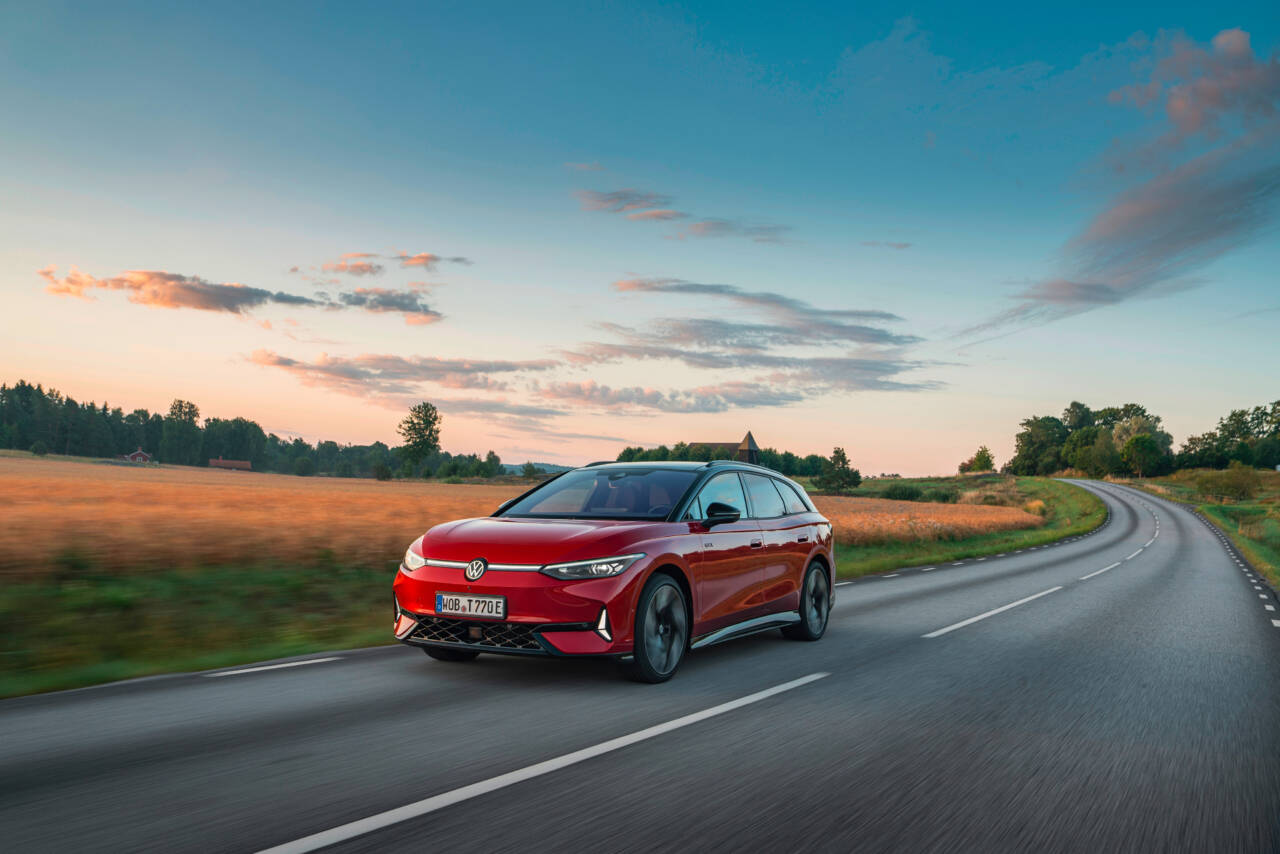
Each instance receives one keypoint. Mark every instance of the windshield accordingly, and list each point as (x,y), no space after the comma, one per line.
(607,494)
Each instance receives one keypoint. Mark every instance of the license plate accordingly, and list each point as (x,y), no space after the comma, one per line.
(464,605)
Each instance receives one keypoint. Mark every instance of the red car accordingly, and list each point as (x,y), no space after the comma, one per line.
(635,561)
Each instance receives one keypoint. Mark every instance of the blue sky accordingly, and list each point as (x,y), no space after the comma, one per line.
(994,210)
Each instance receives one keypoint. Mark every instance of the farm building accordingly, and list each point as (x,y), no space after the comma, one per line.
(138,456)
(236,465)
(746,451)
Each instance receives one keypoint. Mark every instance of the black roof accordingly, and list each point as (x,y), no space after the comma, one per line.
(683,465)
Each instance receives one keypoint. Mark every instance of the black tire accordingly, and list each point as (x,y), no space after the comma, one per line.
(815,606)
(440,653)
(662,631)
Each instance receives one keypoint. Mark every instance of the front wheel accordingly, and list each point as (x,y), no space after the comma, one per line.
(815,606)
(440,653)
(661,630)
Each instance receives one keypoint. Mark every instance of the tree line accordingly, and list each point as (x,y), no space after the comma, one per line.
(783,462)
(1124,440)
(45,421)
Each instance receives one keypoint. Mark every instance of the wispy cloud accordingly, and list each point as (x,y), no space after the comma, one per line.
(709,398)
(1215,188)
(647,206)
(354,263)
(621,201)
(593,166)
(429,260)
(161,289)
(887,244)
(383,375)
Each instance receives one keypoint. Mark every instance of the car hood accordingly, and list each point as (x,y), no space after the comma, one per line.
(533,541)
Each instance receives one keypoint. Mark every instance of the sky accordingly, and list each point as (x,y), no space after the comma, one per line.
(895,228)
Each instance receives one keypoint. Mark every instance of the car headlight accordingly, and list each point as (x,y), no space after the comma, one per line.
(413,560)
(599,568)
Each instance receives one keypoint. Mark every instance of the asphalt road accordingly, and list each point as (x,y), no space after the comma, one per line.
(1133,709)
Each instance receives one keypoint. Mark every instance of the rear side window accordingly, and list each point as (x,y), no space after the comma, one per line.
(795,504)
(766,503)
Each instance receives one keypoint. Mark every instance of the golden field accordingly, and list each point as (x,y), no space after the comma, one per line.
(60,512)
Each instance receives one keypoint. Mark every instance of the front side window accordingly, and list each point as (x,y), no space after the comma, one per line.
(795,504)
(631,493)
(766,503)
(725,489)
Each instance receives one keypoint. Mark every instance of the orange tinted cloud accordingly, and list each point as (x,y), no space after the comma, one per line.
(354,264)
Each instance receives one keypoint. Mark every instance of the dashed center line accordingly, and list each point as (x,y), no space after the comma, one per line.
(1135,554)
(1099,572)
(991,613)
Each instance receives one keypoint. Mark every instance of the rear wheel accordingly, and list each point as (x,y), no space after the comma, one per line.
(661,630)
(815,606)
(440,653)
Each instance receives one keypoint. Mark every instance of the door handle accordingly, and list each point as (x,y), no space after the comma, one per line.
(803,538)
(757,544)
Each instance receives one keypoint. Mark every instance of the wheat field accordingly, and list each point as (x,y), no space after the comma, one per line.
(66,513)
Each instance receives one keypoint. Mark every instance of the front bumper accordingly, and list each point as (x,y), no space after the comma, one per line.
(545,616)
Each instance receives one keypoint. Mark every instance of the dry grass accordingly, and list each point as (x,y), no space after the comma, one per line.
(127,517)
(55,512)
(872,521)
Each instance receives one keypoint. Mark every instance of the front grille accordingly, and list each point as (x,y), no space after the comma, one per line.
(499,635)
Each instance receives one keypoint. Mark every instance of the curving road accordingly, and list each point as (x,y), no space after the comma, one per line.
(1119,691)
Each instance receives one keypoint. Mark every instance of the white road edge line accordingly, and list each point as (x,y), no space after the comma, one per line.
(842,583)
(270,667)
(991,613)
(1135,554)
(1099,572)
(351,830)
(928,568)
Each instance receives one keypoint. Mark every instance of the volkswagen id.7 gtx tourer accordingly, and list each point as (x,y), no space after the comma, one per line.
(636,561)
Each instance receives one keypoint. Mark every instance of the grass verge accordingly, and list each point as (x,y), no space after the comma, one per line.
(83,628)
(1069,511)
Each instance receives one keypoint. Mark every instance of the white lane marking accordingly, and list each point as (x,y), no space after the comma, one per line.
(1262,596)
(842,583)
(1099,572)
(991,613)
(1276,623)
(1269,607)
(928,569)
(1149,542)
(1135,554)
(982,558)
(891,575)
(958,563)
(351,830)
(271,667)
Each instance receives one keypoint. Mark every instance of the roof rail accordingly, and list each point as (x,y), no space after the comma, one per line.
(739,463)
(599,463)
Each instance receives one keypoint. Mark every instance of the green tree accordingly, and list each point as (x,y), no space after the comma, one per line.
(982,460)
(1038,447)
(530,471)
(180,438)
(1076,416)
(304,467)
(836,474)
(1142,453)
(421,432)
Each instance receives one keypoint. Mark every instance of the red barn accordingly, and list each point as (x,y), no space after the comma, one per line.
(138,456)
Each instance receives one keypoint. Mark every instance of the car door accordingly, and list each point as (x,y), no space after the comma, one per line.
(780,559)
(726,574)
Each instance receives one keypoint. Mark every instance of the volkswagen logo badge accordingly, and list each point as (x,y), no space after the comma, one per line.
(476,568)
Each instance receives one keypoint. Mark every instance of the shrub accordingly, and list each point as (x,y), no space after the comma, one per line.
(1238,483)
(39,448)
(382,471)
(939,496)
(453,478)
(902,492)
(304,467)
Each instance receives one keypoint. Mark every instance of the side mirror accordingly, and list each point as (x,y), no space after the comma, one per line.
(719,513)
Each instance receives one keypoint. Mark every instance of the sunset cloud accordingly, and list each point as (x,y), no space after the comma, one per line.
(161,289)
(646,206)
(709,398)
(355,264)
(659,214)
(1215,187)
(734,228)
(384,374)
(429,260)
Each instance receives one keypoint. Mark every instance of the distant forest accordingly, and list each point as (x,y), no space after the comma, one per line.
(45,421)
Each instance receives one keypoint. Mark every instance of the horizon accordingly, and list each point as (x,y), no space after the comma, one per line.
(897,235)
